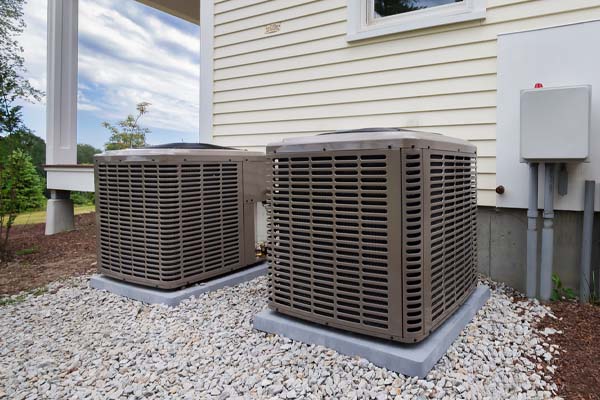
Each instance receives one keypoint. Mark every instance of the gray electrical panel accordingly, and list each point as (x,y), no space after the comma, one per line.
(555,123)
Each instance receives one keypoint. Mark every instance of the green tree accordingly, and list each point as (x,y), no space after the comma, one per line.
(21,189)
(128,134)
(85,153)
(29,143)
(12,64)
(13,85)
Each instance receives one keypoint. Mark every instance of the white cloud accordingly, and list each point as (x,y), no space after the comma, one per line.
(33,41)
(83,102)
(126,55)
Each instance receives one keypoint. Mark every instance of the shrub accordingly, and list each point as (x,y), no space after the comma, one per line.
(83,198)
(559,292)
(21,189)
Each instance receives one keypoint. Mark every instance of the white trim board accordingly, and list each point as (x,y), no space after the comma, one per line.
(73,179)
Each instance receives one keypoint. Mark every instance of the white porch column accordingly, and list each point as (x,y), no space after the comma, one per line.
(61,105)
(206,70)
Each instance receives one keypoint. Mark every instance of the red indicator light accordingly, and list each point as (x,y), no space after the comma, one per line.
(538,85)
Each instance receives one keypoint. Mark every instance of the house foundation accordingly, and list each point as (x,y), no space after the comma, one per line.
(502,246)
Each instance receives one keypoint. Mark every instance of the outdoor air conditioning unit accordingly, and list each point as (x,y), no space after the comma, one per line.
(372,231)
(172,215)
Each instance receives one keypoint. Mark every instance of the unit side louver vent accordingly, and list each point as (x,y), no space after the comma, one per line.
(453,199)
(329,234)
(412,243)
(168,224)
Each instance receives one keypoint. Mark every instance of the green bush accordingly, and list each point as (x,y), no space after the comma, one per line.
(83,198)
(559,292)
(21,189)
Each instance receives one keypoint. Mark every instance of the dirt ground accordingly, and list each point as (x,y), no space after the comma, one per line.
(578,373)
(41,259)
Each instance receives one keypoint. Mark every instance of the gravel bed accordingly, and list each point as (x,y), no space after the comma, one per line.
(76,342)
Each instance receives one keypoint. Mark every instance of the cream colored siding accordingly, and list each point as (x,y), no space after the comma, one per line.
(307,79)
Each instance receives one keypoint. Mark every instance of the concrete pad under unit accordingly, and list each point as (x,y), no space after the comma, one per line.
(173,297)
(407,359)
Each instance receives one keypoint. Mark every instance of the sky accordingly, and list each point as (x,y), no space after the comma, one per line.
(128,53)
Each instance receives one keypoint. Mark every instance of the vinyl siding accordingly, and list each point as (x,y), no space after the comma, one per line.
(307,79)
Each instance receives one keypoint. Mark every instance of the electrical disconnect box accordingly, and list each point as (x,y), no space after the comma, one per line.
(555,123)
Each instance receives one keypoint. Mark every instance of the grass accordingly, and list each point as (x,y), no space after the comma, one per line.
(38,217)
(6,301)
(25,252)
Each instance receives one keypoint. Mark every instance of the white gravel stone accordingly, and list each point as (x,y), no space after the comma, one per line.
(76,342)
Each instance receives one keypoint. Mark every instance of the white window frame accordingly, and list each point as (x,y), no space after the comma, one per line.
(363,25)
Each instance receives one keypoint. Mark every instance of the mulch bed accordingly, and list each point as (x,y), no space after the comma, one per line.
(578,373)
(42,259)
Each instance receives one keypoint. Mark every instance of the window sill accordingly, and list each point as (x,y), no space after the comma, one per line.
(375,31)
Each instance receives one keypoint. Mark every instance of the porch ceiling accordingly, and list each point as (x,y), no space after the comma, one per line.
(186,9)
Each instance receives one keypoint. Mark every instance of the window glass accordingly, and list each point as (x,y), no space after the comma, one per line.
(385,8)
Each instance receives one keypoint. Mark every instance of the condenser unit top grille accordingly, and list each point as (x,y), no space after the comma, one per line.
(201,146)
(180,151)
(372,138)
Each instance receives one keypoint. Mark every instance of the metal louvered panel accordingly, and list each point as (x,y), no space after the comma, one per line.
(329,236)
(412,243)
(453,207)
(372,231)
(169,224)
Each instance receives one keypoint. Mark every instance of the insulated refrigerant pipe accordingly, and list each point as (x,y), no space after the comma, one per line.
(586,242)
(532,235)
(547,234)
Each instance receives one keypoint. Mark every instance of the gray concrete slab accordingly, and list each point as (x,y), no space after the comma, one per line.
(173,297)
(407,359)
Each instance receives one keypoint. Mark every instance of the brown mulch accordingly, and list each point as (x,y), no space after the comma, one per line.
(578,373)
(42,259)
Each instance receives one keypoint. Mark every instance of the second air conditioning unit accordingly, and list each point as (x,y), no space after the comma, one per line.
(173,215)
(372,231)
